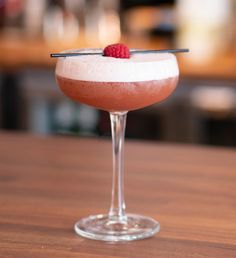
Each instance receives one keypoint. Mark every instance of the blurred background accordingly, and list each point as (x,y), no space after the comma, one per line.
(203,108)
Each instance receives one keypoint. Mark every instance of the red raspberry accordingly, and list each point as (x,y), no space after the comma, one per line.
(117,50)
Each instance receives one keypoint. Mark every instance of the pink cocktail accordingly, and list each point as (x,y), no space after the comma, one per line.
(117,85)
(114,84)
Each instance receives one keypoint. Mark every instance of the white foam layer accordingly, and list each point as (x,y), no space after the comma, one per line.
(139,67)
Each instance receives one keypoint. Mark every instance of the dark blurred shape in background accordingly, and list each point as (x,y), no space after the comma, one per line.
(202,109)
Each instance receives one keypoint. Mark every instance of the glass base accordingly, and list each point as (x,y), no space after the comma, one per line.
(101,227)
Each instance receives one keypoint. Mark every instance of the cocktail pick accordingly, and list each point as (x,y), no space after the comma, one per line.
(135,51)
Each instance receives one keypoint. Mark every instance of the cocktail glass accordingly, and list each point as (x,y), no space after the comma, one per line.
(117,86)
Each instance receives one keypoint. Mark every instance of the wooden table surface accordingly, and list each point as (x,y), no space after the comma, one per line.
(47,183)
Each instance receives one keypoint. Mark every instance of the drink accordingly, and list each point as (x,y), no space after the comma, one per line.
(117,85)
(122,92)
(114,96)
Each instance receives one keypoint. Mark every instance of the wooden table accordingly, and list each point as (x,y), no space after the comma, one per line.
(47,183)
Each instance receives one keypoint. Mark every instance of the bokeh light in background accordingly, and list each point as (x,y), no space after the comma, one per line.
(206,28)
(202,110)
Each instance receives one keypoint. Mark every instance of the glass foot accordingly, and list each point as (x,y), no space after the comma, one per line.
(101,227)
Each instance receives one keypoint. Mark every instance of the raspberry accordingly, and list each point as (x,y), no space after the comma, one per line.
(117,50)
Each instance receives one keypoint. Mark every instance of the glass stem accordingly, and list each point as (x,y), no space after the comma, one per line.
(117,209)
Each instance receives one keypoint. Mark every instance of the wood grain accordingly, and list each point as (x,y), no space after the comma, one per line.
(47,183)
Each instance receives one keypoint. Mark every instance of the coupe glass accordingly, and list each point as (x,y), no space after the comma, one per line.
(117,97)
